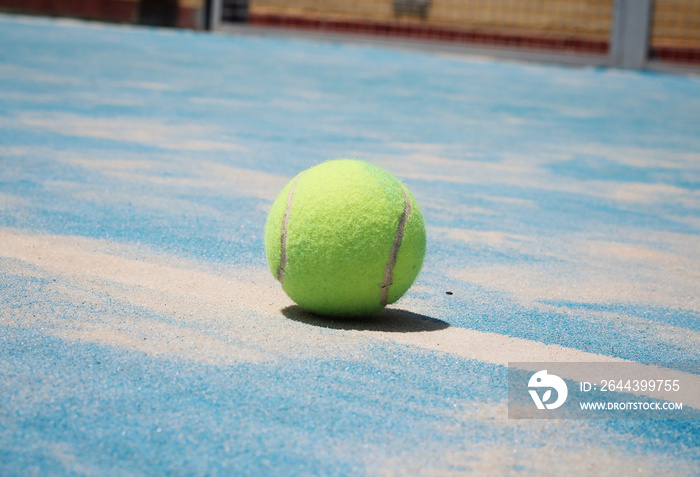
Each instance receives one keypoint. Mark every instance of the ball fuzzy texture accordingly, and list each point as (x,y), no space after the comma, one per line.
(345,238)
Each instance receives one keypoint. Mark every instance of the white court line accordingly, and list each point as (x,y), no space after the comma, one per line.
(70,257)
(501,350)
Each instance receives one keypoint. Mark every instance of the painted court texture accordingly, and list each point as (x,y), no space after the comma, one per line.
(142,333)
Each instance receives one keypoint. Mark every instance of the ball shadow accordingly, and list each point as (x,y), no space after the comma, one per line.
(390,320)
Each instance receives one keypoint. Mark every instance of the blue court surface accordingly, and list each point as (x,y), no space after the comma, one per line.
(141,331)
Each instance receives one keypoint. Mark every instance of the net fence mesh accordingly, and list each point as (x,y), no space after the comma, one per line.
(582,25)
(675,30)
(589,18)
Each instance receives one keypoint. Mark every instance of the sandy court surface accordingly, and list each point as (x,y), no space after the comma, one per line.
(142,332)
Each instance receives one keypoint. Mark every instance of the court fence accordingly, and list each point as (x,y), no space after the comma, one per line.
(625,33)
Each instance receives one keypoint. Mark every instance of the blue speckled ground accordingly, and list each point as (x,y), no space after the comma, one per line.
(141,333)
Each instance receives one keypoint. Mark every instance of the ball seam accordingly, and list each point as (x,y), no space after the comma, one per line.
(394,253)
(283,235)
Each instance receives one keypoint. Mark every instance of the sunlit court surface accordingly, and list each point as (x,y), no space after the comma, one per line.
(143,333)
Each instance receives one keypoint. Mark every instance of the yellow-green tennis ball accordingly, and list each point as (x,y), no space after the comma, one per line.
(345,238)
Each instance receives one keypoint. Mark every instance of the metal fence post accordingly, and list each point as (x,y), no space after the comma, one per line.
(631,28)
(215,11)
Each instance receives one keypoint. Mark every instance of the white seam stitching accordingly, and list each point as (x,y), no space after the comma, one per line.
(393,255)
(283,235)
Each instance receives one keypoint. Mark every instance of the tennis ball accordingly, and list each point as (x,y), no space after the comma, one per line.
(345,238)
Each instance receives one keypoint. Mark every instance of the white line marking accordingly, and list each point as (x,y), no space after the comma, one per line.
(75,258)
